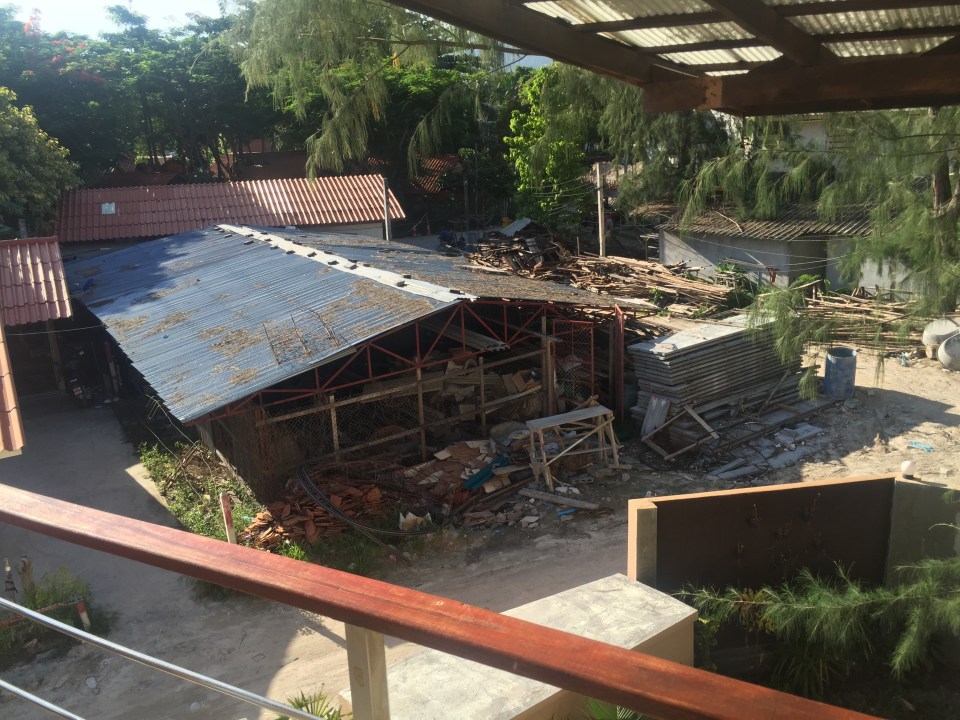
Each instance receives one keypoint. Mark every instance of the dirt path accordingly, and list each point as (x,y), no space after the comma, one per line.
(79,455)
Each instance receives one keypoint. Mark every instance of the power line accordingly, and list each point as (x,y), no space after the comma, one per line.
(47,332)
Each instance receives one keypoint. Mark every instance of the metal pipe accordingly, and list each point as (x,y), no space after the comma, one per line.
(163,666)
(39,702)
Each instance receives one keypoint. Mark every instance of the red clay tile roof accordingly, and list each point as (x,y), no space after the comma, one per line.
(11,429)
(432,170)
(32,284)
(171,209)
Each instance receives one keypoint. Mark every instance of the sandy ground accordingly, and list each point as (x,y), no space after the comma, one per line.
(80,456)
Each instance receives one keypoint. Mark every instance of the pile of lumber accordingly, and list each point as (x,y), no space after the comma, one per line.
(643,279)
(863,320)
(297,517)
(647,282)
(520,255)
(687,378)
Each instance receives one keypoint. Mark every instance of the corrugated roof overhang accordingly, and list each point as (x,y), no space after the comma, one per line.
(747,57)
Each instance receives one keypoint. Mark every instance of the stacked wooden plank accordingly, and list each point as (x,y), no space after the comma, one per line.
(863,320)
(710,369)
(627,277)
(648,283)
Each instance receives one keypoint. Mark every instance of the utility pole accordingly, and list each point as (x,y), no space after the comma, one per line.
(387,233)
(600,216)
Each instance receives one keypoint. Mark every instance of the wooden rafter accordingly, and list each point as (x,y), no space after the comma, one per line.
(874,84)
(710,17)
(840,37)
(540,34)
(808,77)
(768,25)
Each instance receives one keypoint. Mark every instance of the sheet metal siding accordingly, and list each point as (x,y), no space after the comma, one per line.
(33,287)
(142,212)
(209,320)
(443,270)
(11,428)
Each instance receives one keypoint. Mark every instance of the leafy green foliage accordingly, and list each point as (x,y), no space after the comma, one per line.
(546,145)
(895,166)
(316,703)
(193,493)
(60,587)
(900,164)
(159,95)
(605,711)
(567,112)
(339,65)
(828,626)
(34,170)
(794,328)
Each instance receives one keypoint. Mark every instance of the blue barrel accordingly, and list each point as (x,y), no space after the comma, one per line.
(840,374)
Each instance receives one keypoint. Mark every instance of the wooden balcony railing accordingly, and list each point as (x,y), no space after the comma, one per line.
(370,608)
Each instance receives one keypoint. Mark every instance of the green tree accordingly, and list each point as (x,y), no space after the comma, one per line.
(547,145)
(73,87)
(332,63)
(897,166)
(34,170)
(569,112)
(828,626)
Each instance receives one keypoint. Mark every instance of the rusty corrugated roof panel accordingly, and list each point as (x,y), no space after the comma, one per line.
(11,429)
(211,316)
(438,269)
(33,287)
(99,214)
(793,224)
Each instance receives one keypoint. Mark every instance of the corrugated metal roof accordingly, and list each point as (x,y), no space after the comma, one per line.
(445,270)
(32,284)
(99,214)
(794,223)
(211,316)
(11,428)
(829,24)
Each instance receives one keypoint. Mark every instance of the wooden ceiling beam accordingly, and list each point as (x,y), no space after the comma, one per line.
(651,22)
(705,45)
(764,23)
(874,84)
(893,34)
(857,36)
(541,35)
(711,17)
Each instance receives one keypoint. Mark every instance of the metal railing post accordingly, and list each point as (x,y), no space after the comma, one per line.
(367,661)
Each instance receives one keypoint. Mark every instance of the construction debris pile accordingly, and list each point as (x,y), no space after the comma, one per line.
(522,255)
(716,371)
(650,284)
(664,285)
(863,320)
(296,516)
(479,483)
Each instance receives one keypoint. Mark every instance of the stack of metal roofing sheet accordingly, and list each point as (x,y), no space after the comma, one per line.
(710,367)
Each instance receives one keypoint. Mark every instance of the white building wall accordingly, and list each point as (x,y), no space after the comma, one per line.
(708,251)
